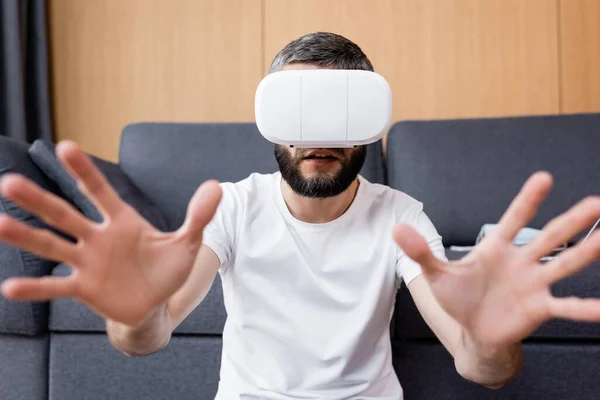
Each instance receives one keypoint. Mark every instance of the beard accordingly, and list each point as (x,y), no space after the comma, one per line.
(321,184)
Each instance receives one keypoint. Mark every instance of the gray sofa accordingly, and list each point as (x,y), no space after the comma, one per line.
(465,172)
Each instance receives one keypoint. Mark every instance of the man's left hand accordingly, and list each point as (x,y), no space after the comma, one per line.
(500,293)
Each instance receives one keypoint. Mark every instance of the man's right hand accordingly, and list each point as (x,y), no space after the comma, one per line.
(123,268)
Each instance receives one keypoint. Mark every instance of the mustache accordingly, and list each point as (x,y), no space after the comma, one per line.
(301,153)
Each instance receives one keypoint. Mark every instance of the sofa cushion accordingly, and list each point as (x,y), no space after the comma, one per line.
(67,315)
(86,366)
(28,318)
(374,168)
(466,172)
(550,371)
(169,161)
(23,367)
(44,156)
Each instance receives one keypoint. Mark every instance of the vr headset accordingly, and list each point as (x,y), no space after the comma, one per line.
(323,107)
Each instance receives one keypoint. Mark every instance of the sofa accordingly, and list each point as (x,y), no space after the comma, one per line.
(464,171)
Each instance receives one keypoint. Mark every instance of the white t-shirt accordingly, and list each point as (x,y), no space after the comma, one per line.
(309,305)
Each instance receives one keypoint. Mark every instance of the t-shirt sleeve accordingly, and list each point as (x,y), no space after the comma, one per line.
(219,233)
(408,269)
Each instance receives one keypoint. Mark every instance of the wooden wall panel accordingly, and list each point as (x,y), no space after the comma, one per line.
(443,59)
(116,62)
(580,55)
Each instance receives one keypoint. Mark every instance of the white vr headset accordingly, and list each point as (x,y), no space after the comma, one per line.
(323,107)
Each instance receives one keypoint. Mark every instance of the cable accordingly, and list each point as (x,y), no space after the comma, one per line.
(591,230)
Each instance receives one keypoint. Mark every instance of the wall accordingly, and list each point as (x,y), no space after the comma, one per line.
(580,55)
(116,62)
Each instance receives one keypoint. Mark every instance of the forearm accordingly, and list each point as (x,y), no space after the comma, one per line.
(151,335)
(488,365)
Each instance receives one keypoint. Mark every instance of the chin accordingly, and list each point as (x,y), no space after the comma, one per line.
(314,175)
(313,170)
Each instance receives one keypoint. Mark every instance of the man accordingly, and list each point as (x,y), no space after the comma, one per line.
(310,259)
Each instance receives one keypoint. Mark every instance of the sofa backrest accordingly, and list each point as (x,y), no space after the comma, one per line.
(168,161)
(466,172)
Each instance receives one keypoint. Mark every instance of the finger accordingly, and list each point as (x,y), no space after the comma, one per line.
(524,206)
(564,227)
(41,242)
(572,260)
(201,210)
(92,182)
(573,308)
(50,208)
(415,247)
(38,289)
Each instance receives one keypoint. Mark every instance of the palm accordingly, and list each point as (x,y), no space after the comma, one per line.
(123,267)
(501,293)
(492,297)
(124,278)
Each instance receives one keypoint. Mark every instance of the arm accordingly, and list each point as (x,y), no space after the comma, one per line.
(483,305)
(482,363)
(486,365)
(135,277)
(154,332)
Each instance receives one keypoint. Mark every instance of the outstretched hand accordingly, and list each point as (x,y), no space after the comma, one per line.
(123,267)
(500,293)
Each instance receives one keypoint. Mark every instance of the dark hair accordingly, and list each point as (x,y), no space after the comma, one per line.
(324,49)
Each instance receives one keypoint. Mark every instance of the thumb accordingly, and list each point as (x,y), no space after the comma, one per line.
(415,247)
(201,209)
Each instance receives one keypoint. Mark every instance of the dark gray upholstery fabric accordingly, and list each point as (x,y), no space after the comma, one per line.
(466,172)
(550,371)
(86,366)
(409,324)
(44,156)
(67,315)
(23,367)
(374,169)
(21,317)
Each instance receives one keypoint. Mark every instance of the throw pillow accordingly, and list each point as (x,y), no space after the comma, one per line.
(43,155)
